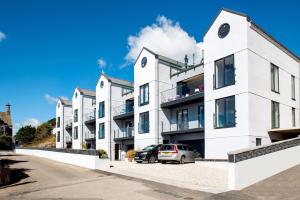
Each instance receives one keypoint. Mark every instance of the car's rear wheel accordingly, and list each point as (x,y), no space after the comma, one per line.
(139,161)
(182,160)
(151,159)
(163,162)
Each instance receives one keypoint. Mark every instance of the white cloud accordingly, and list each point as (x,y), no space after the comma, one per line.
(2,36)
(53,100)
(166,38)
(102,63)
(27,122)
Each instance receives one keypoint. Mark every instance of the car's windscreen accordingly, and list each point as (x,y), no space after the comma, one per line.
(167,148)
(148,148)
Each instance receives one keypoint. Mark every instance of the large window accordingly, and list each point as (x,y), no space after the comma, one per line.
(225,112)
(58,122)
(58,136)
(144,94)
(101,133)
(101,111)
(182,119)
(144,122)
(224,72)
(201,116)
(275,114)
(274,78)
(293,86)
(293,117)
(76,115)
(75,132)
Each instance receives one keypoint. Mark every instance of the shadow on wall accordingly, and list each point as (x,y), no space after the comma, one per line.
(10,176)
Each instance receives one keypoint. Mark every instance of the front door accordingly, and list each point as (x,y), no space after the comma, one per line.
(117,148)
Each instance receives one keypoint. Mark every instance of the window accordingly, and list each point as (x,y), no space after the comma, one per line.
(293,117)
(144,122)
(75,132)
(58,136)
(201,116)
(76,115)
(274,78)
(126,91)
(258,141)
(93,102)
(225,112)
(224,72)
(101,111)
(144,94)
(293,86)
(275,115)
(182,119)
(58,122)
(101,133)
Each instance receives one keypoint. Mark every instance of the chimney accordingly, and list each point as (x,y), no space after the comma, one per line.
(186,61)
(8,108)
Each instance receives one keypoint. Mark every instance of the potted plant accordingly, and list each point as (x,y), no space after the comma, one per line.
(130,155)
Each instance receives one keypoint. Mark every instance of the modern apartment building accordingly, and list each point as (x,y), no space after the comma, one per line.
(63,120)
(243,93)
(84,119)
(114,123)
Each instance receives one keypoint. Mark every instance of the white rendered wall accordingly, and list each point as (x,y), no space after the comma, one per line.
(65,114)
(219,141)
(248,172)
(143,76)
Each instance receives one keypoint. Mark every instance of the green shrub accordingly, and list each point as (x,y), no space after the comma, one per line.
(102,153)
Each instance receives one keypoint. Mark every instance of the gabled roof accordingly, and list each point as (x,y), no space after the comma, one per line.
(86,92)
(65,102)
(280,45)
(118,81)
(162,58)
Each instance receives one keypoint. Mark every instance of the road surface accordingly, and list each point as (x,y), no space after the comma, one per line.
(40,178)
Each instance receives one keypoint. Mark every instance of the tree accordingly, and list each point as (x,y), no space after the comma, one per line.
(25,134)
(43,131)
(5,141)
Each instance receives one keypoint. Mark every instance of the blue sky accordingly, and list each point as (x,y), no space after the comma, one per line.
(50,47)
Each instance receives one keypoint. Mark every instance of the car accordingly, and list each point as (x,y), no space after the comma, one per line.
(148,154)
(181,153)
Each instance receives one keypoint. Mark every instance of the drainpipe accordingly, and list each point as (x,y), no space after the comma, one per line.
(82,122)
(63,129)
(157,100)
(110,152)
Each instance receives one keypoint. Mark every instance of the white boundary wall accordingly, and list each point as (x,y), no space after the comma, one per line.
(245,173)
(87,161)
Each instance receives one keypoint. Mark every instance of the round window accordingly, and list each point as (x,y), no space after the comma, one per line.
(101,84)
(144,62)
(224,30)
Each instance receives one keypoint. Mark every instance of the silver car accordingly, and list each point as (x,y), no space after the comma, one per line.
(177,152)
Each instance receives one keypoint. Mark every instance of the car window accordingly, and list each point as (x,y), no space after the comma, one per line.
(167,147)
(190,148)
(185,147)
(148,148)
(179,147)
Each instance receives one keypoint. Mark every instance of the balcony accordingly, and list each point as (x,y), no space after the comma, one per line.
(187,93)
(124,111)
(90,118)
(90,135)
(68,139)
(68,125)
(124,134)
(195,124)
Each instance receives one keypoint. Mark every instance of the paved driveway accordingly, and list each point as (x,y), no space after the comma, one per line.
(46,179)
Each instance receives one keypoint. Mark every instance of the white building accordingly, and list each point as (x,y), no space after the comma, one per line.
(251,91)
(244,93)
(83,125)
(114,119)
(63,115)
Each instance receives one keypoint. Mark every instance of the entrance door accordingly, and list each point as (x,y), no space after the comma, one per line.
(117,148)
